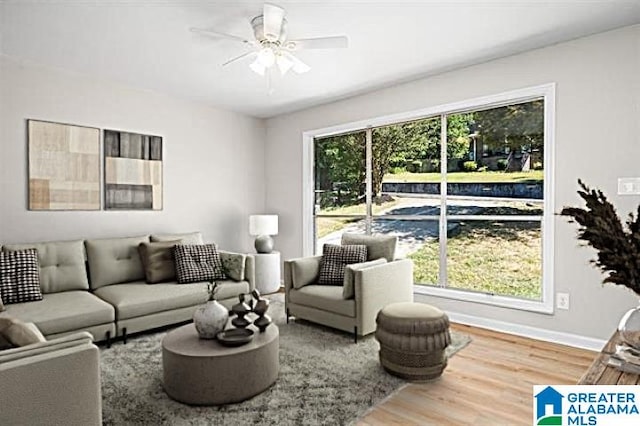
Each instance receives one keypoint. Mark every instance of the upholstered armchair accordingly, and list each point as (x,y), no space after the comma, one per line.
(56,382)
(367,287)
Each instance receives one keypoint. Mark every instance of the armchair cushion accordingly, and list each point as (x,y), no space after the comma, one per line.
(305,271)
(348,291)
(334,260)
(325,297)
(377,245)
(20,333)
(195,263)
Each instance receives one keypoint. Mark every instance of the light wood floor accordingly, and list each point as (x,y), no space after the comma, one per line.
(490,382)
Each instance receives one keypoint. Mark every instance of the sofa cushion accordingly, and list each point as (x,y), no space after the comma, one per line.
(19,276)
(157,259)
(62,264)
(377,245)
(348,285)
(188,238)
(63,312)
(324,297)
(114,260)
(233,264)
(138,299)
(195,263)
(335,258)
(1,304)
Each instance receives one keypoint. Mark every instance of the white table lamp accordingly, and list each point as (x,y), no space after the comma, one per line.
(263,226)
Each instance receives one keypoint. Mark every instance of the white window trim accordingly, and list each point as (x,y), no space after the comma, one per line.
(546,305)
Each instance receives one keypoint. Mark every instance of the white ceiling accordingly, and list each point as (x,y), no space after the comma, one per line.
(147,44)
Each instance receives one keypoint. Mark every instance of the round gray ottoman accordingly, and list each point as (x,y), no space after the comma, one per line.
(204,372)
(413,337)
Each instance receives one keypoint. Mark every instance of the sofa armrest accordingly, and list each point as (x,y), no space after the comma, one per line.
(250,271)
(378,286)
(38,389)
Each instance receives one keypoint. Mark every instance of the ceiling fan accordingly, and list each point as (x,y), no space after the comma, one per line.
(271,46)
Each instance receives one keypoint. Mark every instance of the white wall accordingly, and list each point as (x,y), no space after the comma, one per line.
(597,139)
(213,159)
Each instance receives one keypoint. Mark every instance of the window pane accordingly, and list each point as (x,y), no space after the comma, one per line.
(417,240)
(496,257)
(495,161)
(406,161)
(329,230)
(340,174)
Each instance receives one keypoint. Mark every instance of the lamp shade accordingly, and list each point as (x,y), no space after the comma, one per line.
(263,224)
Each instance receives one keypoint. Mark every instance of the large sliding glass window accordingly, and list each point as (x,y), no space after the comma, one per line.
(463,190)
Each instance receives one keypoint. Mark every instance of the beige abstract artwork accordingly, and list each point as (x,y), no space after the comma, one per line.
(64,166)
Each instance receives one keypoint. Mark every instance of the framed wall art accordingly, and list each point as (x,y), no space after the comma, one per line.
(132,171)
(64,166)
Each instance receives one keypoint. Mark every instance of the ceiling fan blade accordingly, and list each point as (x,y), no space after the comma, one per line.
(298,66)
(218,34)
(273,17)
(336,42)
(237,58)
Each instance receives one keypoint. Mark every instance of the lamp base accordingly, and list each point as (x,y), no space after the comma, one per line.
(264,244)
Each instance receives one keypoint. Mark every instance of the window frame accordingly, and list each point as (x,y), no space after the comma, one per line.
(547,93)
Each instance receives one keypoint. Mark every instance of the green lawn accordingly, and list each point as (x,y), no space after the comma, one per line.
(460,177)
(501,258)
(327,225)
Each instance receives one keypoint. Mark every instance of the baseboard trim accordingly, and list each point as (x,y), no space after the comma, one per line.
(527,331)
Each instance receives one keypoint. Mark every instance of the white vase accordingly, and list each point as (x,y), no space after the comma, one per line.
(629,328)
(210,319)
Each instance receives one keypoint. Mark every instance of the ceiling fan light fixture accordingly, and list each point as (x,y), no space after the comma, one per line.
(284,64)
(267,57)
(258,67)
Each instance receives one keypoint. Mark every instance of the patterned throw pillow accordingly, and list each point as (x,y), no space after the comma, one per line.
(19,276)
(335,258)
(195,263)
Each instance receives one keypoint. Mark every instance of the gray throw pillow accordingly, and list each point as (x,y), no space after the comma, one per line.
(335,258)
(377,245)
(233,265)
(348,286)
(23,334)
(196,263)
(20,276)
(157,260)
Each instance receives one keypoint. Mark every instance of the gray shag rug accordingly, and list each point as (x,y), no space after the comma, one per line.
(325,379)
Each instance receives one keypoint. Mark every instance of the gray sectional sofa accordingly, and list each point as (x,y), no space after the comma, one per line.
(99,286)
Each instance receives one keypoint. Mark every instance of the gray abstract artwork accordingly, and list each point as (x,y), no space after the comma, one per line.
(132,171)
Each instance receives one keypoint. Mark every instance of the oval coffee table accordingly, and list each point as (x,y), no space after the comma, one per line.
(204,372)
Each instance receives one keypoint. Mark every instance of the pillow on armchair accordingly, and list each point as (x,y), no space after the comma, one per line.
(334,260)
(377,245)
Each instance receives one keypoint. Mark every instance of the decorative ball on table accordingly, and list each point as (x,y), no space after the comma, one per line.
(263,226)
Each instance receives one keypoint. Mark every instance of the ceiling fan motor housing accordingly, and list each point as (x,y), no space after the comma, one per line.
(258,31)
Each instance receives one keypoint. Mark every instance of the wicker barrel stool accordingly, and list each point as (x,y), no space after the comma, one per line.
(413,337)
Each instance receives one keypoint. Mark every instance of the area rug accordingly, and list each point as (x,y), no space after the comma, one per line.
(325,379)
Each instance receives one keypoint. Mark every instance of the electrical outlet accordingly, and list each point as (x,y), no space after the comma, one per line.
(562,300)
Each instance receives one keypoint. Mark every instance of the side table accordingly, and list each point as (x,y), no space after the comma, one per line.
(267,272)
